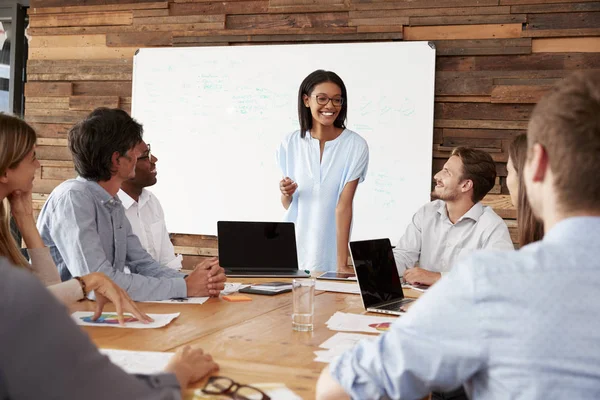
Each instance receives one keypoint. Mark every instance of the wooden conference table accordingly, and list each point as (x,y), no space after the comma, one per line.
(253,342)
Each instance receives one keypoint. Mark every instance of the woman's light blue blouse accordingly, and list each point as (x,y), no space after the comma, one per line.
(320,184)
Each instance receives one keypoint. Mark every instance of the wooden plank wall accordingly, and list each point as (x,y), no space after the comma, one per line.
(495,59)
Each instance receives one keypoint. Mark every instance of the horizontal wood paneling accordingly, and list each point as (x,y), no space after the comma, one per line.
(81,19)
(561,45)
(496,58)
(100,8)
(451,32)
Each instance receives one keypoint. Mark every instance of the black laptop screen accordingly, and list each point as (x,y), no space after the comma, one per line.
(376,271)
(257,245)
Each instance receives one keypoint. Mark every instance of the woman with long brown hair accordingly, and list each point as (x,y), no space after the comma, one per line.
(529,228)
(18,164)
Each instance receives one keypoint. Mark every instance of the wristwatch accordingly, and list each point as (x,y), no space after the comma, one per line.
(83,287)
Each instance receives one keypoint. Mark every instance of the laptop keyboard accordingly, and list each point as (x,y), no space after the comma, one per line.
(395,306)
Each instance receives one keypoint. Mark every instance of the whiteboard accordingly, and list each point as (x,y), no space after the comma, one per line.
(215,117)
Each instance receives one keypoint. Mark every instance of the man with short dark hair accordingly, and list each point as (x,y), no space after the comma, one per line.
(509,325)
(144,212)
(456,223)
(84,225)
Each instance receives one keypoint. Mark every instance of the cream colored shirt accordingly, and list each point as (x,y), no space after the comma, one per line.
(434,242)
(148,224)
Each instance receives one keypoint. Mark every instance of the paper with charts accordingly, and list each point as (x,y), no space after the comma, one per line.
(107,319)
(346,322)
(230,287)
(339,343)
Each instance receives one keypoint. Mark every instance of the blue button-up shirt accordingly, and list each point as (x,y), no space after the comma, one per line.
(509,325)
(87,231)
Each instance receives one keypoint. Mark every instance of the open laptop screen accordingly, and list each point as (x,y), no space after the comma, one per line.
(257,245)
(376,271)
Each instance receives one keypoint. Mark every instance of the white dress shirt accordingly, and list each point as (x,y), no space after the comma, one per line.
(148,223)
(433,241)
(510,324)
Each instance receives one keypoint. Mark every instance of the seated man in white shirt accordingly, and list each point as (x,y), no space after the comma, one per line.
(456,223)
(144,212)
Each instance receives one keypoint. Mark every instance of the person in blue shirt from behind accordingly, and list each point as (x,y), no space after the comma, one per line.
(322,164)
(509,324)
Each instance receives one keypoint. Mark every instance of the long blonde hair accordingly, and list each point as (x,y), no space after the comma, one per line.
(17,139)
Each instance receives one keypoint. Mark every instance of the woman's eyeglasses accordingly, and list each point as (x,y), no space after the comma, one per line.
(147,154)
(220,385)
(323,100)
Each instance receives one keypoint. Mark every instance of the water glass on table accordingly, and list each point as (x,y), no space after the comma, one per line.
(303,304)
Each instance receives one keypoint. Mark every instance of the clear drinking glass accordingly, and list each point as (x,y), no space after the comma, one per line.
(303,304)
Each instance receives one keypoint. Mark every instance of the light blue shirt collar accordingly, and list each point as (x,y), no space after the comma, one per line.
(101,194)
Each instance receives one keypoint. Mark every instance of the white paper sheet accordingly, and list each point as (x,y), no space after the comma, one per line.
(150,362)
(338,287)
(110,320)
(182,300)
(346,322)
(418,288)
(338,344)
(138,362)
(346,340)
(230,287)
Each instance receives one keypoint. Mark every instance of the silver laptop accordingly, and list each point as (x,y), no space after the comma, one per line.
(377,275)
(258,249)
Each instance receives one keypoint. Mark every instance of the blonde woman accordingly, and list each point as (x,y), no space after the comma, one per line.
(18,164)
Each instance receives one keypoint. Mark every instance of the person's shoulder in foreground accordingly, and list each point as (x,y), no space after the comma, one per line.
(516,324)
(44,344)
(513,327)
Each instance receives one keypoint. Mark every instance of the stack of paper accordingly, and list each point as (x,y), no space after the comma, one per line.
(274,287)
(346,322)
(338,287)
(337,344)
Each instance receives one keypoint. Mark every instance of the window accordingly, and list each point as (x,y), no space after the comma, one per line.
(13,56)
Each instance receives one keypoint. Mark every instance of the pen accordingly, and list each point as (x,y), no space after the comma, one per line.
(180,299)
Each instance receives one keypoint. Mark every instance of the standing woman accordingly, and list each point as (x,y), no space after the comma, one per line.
(322,164)
(529,228)
(18,164)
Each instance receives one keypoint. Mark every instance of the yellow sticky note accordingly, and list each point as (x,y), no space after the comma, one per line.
(237,297)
